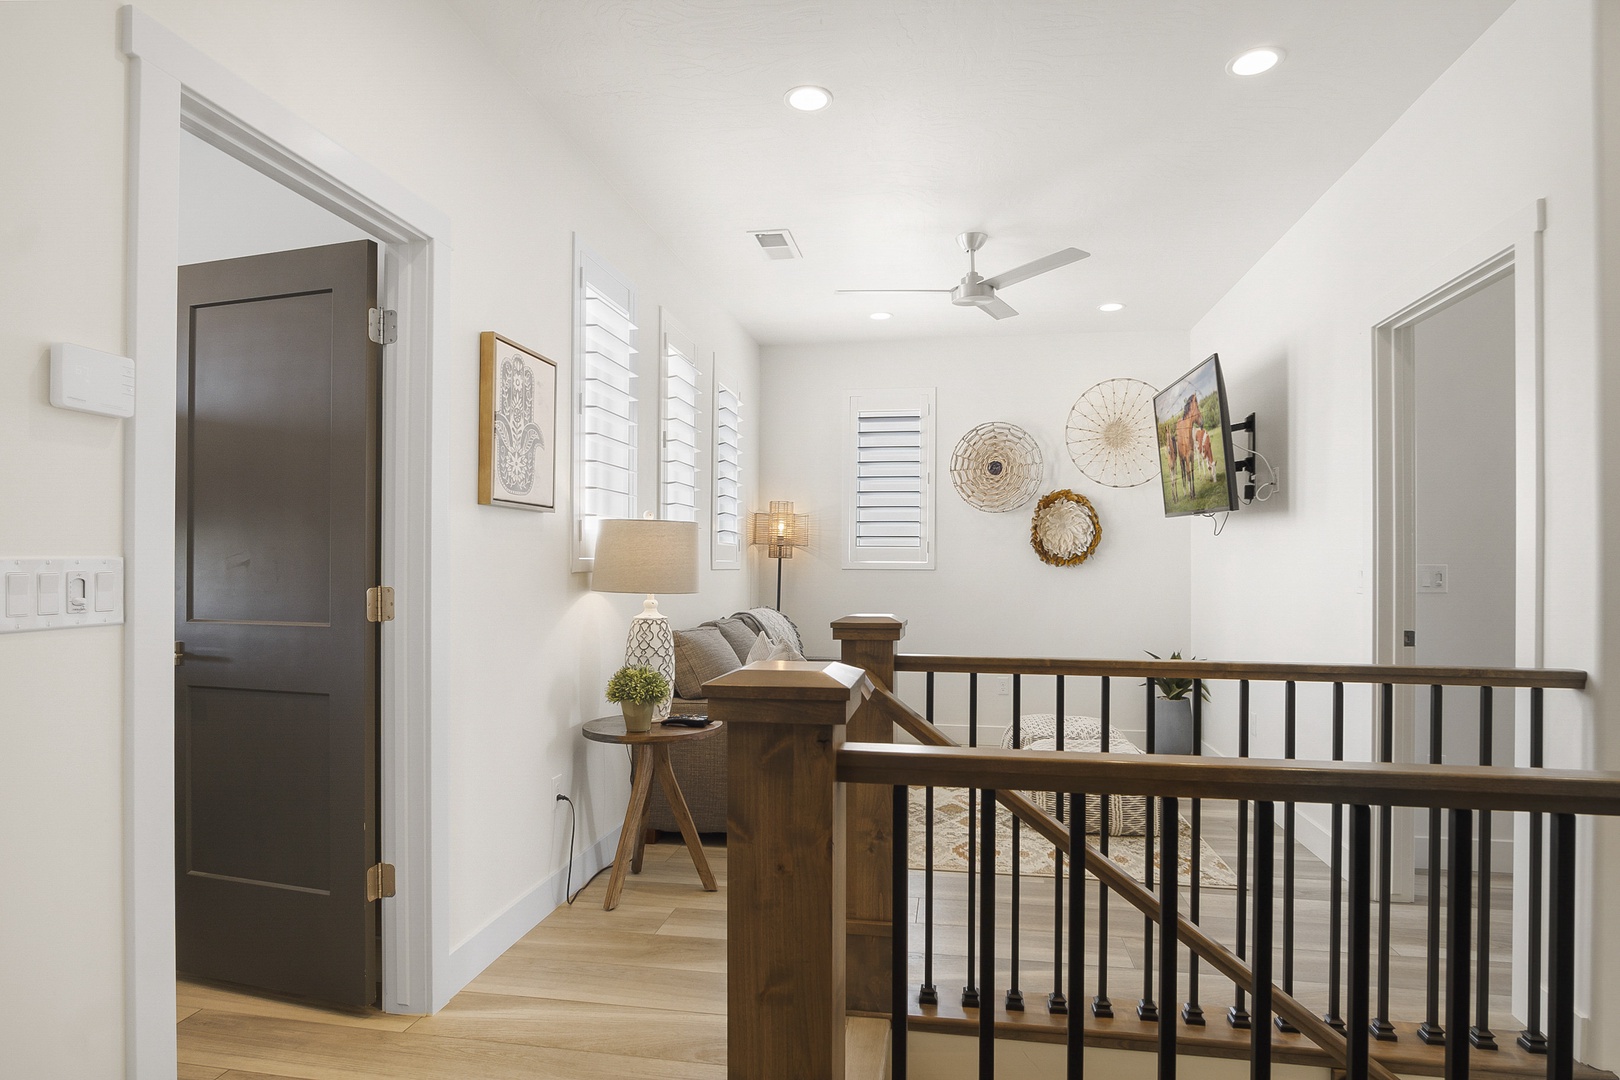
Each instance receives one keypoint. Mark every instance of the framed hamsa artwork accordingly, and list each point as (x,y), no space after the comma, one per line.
(517,426)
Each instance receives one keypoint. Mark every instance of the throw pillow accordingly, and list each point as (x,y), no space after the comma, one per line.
(738,633)
(701,653)
(766,649)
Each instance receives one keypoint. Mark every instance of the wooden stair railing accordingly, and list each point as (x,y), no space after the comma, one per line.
(1109,872)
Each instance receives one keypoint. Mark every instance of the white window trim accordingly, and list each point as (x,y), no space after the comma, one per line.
(725,556)
(674,338)
(860,401)
(587,261)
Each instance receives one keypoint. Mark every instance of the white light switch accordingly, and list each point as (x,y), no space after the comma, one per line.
(49,595)
(19,598)
(62,593)
(105,598)
(1433,578)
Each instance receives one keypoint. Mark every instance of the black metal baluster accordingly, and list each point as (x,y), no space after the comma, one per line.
(987,935)
(1100,1005)
(1056,1003)
(1531,1038)
(1480,1035)
(1077,933)
(1561,950)
(1381,1028)
(1356,1029)
(1430,1030)
(927,994)
(1336,875)
(1015,996)
(1169,912)
(1146,1009)
(1265,827)
(1290,748)
(970,992)
(1238,1015)
(899,979)
(1192,1013)
(1459,879)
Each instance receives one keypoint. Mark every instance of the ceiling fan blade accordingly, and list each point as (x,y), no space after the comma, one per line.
(1039,266)
(999,308)
(842,291)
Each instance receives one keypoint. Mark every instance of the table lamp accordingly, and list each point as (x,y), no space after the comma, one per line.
(780,531)
(647,556)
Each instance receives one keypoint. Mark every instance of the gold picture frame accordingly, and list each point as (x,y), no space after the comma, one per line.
(517,426)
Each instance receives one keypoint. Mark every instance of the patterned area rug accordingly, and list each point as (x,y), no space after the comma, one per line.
(1036,854)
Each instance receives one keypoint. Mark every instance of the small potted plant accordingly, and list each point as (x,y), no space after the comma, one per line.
(637,691)
(1172,713)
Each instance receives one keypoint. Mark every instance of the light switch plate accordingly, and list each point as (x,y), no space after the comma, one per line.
(1433,578)
(43,594)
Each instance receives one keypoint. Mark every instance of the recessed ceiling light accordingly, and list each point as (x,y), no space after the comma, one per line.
(1110,307)
(809,98)
(881,315)
(1256,61)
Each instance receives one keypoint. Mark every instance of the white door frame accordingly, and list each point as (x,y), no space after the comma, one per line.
(1512,247)
(174,87)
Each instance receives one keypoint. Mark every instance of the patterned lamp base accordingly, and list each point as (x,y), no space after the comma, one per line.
(652,644)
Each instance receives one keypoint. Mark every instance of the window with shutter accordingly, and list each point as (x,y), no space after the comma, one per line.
(605,403)
(889,475)
(678,460)
(726,547)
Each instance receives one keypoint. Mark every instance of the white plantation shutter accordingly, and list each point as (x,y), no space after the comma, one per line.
(727,544)
(605,419)
(678,480)
(889,508)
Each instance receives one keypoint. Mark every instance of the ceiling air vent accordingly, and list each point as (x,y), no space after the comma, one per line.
(776,243)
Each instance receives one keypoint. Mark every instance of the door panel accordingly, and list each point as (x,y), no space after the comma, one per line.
(276,698)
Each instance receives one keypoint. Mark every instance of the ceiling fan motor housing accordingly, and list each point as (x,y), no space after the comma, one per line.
(973,292)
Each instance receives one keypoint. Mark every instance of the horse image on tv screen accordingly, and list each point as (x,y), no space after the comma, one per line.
(1193,445)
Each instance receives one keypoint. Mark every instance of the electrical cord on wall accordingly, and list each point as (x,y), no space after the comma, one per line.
(573,832)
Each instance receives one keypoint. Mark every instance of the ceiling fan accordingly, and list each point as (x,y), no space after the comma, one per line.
(980,292)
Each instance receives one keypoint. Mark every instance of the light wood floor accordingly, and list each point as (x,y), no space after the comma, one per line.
(640,992)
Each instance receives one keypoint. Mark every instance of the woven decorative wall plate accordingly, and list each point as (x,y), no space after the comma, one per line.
(1065,529)
(996,467)
(1111,433)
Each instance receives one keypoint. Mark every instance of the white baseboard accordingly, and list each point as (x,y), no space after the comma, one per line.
(486,945)
(1317,838)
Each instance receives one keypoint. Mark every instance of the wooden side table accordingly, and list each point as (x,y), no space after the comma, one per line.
(649,757)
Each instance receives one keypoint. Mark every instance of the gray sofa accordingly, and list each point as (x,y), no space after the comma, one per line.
(700,766)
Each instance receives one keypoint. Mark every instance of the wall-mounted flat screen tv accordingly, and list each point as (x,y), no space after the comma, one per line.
(1195,443)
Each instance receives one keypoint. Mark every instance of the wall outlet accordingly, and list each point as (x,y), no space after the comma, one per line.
(559,787)
(1003,685)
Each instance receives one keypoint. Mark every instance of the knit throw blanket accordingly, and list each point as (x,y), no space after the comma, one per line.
(773,624)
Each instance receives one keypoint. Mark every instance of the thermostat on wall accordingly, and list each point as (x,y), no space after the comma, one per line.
(92,381)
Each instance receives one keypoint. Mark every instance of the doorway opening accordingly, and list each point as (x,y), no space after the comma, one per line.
(176,90)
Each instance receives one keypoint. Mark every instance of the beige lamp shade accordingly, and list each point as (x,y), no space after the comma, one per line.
(642,556)
(781,530)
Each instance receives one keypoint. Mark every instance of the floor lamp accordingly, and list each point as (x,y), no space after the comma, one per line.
(646,556)
(780,531)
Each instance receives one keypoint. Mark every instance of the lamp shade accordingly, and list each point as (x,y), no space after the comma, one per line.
(781,530)
(641,556)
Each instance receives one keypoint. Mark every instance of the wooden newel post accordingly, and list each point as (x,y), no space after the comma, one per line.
(785,1001)
(868,642)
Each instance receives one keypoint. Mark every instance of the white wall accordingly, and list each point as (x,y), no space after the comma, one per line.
(522,646)
(989,593)
(1480,146)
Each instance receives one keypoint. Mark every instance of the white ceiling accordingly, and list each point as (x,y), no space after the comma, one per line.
(1109,125)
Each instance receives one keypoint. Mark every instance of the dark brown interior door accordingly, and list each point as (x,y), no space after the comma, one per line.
(276,688)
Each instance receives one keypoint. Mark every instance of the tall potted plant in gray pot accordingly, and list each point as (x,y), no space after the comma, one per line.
(1172,712)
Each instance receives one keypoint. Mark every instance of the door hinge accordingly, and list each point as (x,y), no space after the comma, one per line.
(380,604)
(383,326)
(380,882)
